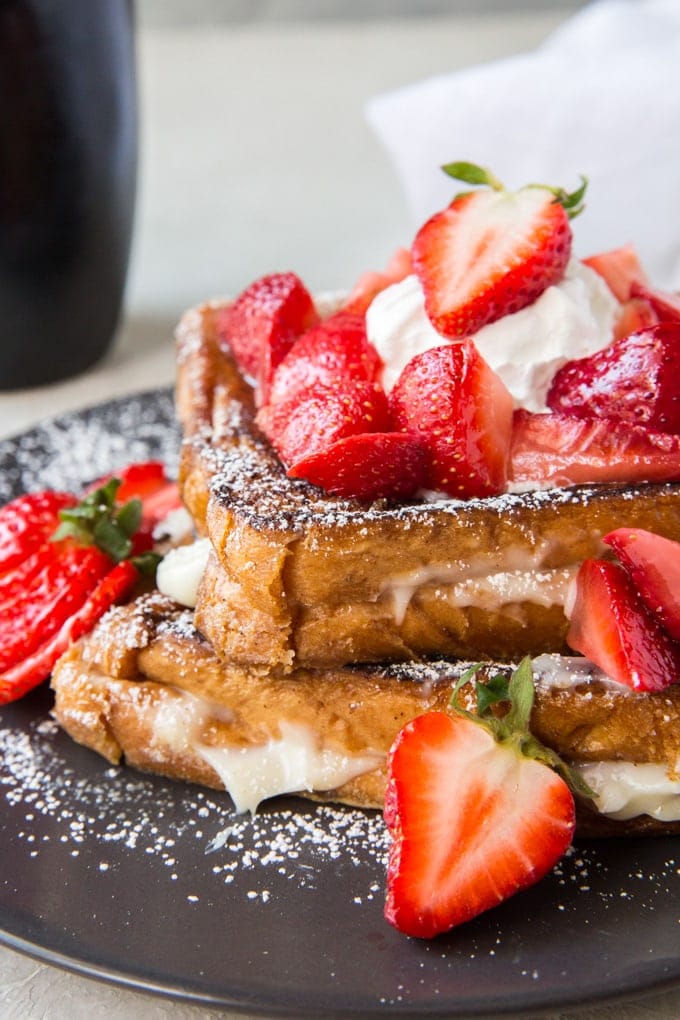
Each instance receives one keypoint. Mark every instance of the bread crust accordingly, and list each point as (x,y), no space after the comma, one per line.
(145,658)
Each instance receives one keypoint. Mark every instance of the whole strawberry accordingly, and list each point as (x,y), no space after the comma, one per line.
(492,252)
(476,809)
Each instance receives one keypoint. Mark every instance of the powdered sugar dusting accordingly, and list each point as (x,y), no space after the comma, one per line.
(115,806)
(69,451)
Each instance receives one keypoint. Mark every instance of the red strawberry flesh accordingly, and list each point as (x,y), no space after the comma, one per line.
(472,821)
(611,626)
(372,465)
(264,322)
(653,563)
(635,379)
(331,354)
(620,269)
(462,412)
(561,449)
(313,419)
(490,254)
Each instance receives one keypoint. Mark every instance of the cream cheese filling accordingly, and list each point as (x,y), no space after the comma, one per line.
(291,763)
(490,592)
(625,789)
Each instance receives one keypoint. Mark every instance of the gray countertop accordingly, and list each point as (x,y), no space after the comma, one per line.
(256,157)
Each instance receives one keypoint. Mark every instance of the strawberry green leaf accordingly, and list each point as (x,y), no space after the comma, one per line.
(491,693)
(513,726)
(98,520)
(111,539)
(471,173)
(129,517)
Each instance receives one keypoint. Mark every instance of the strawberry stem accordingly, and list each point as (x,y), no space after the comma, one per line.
(512,727)
(99,520)
(471,173)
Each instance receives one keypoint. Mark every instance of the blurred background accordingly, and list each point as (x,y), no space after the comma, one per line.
(255,152)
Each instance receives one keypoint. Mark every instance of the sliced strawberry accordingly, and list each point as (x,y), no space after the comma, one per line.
(27,522)
(462,412)
(560,449)
(75,563)
(491,253)
(375,465)
(21,678)
(332,354)
(666,306)
(311,420)
(633,315)
(610,625)
(371,283)
(653,563)
(635,379)
(70,573)
(473,818)
(619,269)
(264,322)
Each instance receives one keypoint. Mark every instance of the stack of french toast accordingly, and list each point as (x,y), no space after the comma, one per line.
(324,620)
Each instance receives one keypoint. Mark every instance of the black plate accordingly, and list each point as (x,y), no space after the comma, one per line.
(160,887)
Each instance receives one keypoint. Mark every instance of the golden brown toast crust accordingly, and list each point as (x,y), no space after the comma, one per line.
(143,657)
(300,578)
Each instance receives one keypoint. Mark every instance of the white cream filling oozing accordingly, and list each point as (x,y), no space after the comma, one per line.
(291,763)
(625,789)
(569,320)
(180,571)
(297,761)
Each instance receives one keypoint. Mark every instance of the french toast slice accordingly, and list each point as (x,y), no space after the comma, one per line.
(145,686)
(298,578)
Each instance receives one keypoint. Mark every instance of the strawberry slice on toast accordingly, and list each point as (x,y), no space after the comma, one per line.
(610,624)
(653,564)
(264,322)
(461,411)
(634,379)
(561,449)
(370,465)
(492,252)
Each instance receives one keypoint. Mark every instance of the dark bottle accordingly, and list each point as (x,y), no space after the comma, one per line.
(68,155)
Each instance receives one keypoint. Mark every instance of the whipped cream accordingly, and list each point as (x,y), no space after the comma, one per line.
(569,320)
(180,571)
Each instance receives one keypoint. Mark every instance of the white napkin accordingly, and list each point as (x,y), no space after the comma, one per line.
(601,97)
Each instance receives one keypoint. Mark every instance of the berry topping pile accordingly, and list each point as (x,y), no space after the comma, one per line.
(450,424)
(64,562)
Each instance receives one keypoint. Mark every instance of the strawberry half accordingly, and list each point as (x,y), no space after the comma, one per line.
(561,449)
(264,322)
(635,379)
(372,465)
(653,564)
(462,412)
(611,626)
(475,809)
(491,253)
